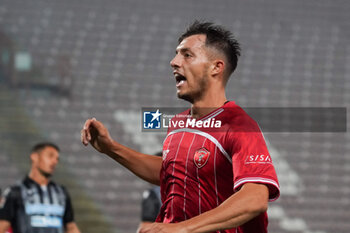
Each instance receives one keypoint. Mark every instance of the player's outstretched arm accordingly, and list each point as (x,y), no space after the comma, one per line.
(145,166)
(238,209)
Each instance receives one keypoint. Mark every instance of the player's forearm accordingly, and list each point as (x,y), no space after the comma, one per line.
(235,211)
(147,167)
(226,224)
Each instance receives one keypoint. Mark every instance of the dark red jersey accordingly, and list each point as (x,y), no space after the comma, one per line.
(203,166)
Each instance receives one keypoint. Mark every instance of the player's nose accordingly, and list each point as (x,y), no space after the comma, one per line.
(175,62)
(55,161)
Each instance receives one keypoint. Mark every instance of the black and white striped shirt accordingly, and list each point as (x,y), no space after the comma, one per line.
(32,208)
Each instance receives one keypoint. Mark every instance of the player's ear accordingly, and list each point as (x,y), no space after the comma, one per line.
(217,68)
(34,156)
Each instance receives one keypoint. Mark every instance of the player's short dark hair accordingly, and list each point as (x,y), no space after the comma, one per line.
(218,38)
(40,146)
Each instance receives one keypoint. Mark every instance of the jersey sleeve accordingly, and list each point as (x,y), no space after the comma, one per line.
(251,161)
(8,204)
(68,213)
(150,205)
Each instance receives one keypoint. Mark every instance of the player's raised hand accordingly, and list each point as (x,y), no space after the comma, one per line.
(95,133)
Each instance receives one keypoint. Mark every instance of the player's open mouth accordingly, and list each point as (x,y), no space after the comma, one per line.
(180,79)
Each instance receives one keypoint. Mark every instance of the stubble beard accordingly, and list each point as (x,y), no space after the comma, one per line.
(44,173)
(196,94)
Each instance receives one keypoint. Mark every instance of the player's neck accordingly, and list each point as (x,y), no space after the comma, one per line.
(38,177)
(207,104)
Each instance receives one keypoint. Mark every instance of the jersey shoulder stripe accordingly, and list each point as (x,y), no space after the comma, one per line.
(239,182)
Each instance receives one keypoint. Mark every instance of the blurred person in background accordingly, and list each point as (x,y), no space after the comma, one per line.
(151,203)
(37,204)
(211,179)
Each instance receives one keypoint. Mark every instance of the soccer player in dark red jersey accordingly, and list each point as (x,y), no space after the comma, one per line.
(213,179)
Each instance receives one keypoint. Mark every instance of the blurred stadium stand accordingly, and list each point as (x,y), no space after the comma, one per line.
(77,59)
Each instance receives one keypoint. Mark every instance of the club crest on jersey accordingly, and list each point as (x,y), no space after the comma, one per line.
(201,157)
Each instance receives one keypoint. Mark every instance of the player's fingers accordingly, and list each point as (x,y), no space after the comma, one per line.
(98,126)
(82,137)
(86,135)
(91,123)
(87,124)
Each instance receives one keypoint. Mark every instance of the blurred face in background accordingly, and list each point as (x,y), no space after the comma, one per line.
(190,67)
(45,161)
